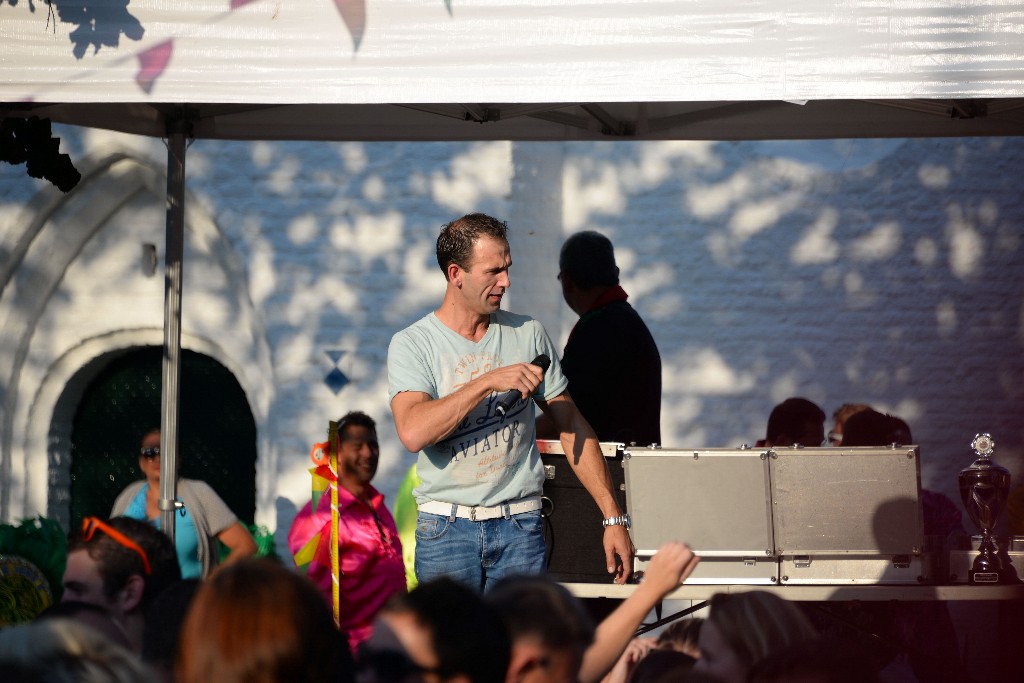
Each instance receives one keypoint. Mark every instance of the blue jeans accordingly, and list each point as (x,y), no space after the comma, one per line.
(478,554)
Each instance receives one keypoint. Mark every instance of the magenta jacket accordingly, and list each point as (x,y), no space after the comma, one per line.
(369,555)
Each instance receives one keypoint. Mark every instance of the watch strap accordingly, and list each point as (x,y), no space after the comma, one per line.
(618,520)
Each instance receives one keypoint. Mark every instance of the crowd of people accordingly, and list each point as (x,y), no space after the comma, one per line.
(257,620)
(463,383)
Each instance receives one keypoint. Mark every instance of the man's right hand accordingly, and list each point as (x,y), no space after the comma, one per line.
(619,551)
(422,420)
(521,377)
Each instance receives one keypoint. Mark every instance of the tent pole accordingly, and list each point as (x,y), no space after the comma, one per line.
(170,396)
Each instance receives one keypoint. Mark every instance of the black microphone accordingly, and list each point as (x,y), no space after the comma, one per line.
(510,397)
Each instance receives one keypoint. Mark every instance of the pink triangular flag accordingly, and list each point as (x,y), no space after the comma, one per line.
(152,63)
(353,12)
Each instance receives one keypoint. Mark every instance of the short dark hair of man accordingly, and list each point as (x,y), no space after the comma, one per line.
(116,563)
(791,417)
(164,618)
(455,243)
(872,428)
(588,258)
(538,606)
(658,663)
(467,635)
(356,418)
(823,659)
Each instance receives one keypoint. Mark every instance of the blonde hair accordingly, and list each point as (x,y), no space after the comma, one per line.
(846,410)
(65,651)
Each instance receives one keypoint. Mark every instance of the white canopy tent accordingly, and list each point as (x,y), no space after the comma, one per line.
(482,69)
(532,70)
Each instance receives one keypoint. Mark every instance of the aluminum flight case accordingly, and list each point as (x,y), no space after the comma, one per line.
(848,515)
(716,500)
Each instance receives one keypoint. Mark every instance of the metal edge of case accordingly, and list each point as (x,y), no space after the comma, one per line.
(864,558)
(755,564)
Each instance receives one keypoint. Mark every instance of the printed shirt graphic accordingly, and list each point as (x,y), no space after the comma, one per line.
(488,459)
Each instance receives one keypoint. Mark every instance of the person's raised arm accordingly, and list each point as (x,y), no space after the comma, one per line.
(668,568)
(582,450)
(637,649)
(422,420)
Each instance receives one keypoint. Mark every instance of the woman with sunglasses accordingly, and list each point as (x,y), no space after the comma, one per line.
(204,519)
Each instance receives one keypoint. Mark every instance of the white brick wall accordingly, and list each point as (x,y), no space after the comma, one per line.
(887,272)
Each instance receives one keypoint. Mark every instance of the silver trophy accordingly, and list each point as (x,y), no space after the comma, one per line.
(983,489)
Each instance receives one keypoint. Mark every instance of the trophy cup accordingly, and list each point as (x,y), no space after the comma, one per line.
(983,489)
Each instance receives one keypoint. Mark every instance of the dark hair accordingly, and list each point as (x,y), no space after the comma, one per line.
(656,664)
(467,635)
(790,417)
(116,563)
(872,428)
(455,243)
(355,418)
(535,605)
(757,623)
(821,659)
(588,258)
(162,628)
(258,622)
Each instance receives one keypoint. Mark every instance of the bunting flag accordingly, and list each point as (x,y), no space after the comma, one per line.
(152,63)
(323,478)
(332,437)
(322,546)
(316,549)
(307,554)
(353,13)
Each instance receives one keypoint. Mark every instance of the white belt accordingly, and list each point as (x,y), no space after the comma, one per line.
(479,513)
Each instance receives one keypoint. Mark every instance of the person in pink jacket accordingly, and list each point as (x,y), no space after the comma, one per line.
(369,550)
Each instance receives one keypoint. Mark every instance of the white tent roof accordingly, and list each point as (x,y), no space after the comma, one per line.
(535,69)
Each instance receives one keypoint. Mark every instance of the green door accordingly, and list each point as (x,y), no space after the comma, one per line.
(217,433)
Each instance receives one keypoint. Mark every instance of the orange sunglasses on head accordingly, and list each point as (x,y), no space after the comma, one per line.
(91,524)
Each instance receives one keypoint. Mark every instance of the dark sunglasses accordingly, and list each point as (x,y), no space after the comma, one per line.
(151,453)
(90,526)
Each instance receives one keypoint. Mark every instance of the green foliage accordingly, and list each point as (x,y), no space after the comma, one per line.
(42,543)
(265,546)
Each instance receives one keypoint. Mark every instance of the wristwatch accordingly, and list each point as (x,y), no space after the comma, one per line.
(621,520)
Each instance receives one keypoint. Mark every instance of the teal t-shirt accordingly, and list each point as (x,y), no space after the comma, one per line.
(186,543)
(488,459)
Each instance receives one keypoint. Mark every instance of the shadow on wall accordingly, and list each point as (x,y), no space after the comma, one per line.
(885,272)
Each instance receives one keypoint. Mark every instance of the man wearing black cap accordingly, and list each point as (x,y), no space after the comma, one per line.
(610,359)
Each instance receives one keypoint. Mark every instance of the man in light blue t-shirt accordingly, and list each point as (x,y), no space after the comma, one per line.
(479,504)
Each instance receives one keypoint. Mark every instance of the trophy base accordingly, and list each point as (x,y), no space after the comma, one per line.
(983,578)
(1005,566)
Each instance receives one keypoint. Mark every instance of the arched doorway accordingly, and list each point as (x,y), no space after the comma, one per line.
(217,431)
